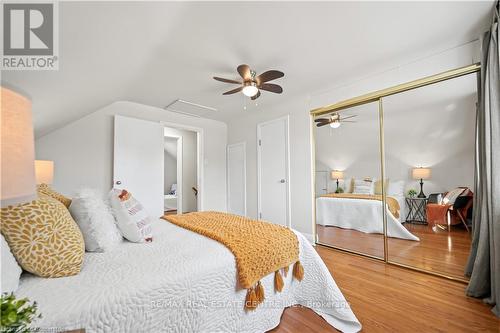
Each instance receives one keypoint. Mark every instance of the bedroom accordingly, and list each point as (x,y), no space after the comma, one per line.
(102,120)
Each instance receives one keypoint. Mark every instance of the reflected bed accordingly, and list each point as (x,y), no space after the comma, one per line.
(362,215)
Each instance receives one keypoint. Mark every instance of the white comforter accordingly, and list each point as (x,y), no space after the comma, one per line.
(359,214)
(181,282)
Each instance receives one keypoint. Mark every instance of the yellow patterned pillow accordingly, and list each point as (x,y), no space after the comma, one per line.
(43,237)
(47,190)
(378,186)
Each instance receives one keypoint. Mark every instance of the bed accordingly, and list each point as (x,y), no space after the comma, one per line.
(181,282)
(362,215)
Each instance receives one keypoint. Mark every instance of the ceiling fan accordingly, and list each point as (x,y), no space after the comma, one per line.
(252,83)
(334,120)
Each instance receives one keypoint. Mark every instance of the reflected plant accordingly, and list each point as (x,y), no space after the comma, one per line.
(412,193)
(17,314)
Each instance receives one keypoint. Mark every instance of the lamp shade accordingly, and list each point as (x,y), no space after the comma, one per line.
(17,149)
(44,171)
(421,173)
(336,174)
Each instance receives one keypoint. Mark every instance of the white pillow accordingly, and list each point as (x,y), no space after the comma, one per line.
(131,217)
(396,189)
(362,186)
(11,271)
(452,196)
(95,220)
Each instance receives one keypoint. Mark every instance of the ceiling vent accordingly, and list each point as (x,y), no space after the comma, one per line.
(190,108)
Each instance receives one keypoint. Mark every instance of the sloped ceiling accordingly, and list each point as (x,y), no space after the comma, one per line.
(156,52)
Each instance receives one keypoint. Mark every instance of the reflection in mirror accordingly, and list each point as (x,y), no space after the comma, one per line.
(349,212)
(429,150)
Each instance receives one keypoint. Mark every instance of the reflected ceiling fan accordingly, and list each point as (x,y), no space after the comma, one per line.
(252,83)
(334,120)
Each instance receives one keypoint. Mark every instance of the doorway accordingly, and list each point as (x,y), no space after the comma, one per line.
(181,170)
(273,171)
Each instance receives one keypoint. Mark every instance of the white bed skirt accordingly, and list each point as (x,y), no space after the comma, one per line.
(181,282)
(358,214)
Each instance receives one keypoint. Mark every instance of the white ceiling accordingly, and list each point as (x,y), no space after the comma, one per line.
(156,52)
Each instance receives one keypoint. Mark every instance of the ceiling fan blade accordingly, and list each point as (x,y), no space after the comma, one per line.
(349,117)
(234,91)
(221,79)
(244,71)
(268,76)
(257,95)
(321,120)
(348,121)
(271,87)
(322,124)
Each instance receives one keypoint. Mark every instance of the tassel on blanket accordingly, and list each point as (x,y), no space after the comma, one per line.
(251,300)
(278,281)
(298,271)
(285,270)
(259,293)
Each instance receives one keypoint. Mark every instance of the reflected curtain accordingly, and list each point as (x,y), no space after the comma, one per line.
(483,265)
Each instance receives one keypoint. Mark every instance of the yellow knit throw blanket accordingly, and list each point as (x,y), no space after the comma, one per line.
(392,203)
(260,248)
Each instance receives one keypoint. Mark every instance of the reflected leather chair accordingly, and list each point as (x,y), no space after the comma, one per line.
(444,215)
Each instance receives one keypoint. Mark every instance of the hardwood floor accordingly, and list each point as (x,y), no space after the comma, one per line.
(438,250)
(387,298)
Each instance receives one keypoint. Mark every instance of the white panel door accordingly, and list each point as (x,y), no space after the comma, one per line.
(138,161)
(273,171)
(236,179)
(321,183)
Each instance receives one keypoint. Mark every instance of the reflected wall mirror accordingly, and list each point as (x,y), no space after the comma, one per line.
(394,173)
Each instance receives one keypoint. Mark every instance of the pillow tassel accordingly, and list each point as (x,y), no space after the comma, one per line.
(278,281)
(285,270)
(298,271)
(259,292)
(251,299)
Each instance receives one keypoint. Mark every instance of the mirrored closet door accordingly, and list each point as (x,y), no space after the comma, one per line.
(394,173)
(429,167)
(347,162)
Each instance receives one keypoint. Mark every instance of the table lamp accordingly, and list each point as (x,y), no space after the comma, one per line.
(421,173)
(336,174)
(44,171)
(17,149)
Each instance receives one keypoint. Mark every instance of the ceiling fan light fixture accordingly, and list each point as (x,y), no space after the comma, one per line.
(250,89)
(335,124)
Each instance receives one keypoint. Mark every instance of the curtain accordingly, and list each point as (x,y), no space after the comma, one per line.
(483,266)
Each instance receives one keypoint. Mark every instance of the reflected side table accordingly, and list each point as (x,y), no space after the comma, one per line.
(416,210)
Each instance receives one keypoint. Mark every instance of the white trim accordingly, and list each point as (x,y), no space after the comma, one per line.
(286,118)
(200,157)
(244,144)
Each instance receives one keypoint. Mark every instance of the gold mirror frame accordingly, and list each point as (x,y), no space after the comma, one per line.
(377,96)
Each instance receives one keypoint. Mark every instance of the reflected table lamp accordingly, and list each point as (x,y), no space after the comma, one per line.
(44,171)
(421,173)
(17,149)
(336,174)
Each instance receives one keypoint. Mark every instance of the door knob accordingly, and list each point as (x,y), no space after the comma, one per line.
(282,181)
(118,182)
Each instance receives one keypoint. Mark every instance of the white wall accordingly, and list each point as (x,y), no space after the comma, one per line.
(189,166)
(83,150)
(244,129)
